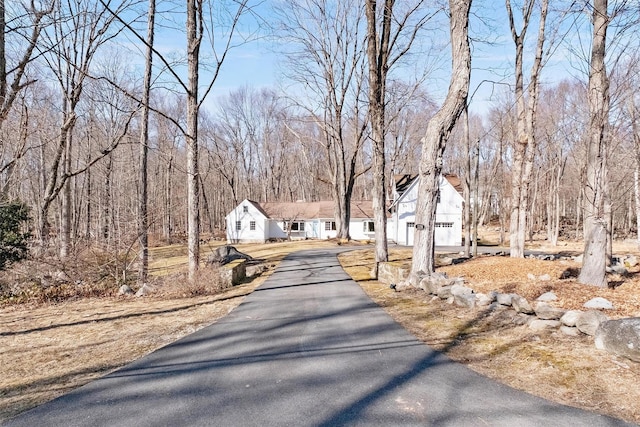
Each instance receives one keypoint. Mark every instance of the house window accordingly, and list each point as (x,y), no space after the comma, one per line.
(238,225)
(245,209)
(330,225)
(444,225)
(411,225)
(368,227)
(438,197)
(252,225)
(297,226)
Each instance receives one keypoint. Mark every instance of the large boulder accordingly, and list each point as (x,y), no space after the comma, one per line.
(125,290)
(547,297)
(145,290)
(465,301)
(225,254)
(541,325)
(255,270)
(546,311)
(458,289)
(521,305)
(569,331)
(434,281)
(599,303)
(444,292)
(484,300)
(392,273)
(620,337)
(570,318)
(589,321)
(504,299)
(618,269)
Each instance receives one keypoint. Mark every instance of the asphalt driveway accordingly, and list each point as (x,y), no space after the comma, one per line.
(308,348)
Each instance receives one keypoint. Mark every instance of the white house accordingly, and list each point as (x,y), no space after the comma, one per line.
(252,222)
(401,224)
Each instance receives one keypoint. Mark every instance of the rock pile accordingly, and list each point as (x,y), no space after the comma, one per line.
(621,337)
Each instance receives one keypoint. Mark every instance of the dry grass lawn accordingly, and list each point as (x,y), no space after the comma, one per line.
(48,350)
(552,365)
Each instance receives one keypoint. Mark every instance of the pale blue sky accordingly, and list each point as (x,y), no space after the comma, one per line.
(256,63)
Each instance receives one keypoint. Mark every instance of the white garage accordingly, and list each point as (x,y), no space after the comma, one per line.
(448,227)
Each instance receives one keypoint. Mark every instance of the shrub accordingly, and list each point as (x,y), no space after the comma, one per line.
(208,281)
(13,242)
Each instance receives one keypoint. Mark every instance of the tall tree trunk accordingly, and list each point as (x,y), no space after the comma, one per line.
(107,223)
(193,181)
(167,228)
(526,115)
(3,54)
(466,184)
(476,199)
(595,224)
(89,189)
(340,188)
(438,131)
(378,56)
(205,208)
(65,213)
(636,191)
(636,174)
(143,216)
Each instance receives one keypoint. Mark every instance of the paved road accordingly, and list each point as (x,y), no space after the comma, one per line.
(308,348)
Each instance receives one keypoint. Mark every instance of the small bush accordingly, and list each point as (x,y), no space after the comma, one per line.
(88,273)
(13,242)
(208,281)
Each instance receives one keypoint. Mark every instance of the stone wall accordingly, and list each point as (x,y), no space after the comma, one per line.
(620,337)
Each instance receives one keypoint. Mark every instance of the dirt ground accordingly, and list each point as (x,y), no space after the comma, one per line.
(569,370)
(47,350)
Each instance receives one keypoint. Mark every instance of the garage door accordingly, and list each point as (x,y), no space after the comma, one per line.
(443,233)
(411,227)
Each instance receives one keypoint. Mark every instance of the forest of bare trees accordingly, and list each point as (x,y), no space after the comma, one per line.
(105,153)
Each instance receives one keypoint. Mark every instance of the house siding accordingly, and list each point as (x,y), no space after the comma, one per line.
(401,226)
(357,231)
(275,227)
(245,234)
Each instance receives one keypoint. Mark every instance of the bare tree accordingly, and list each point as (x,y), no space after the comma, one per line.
(525,146)
(593,270)
(143,216)
(194,39)
(80,29)
(217,25)
(326,57)
(408,109)
(12,75)
(594,262)
(197,28)
(635,134)
(387,43)
(13,72)
(438,131)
